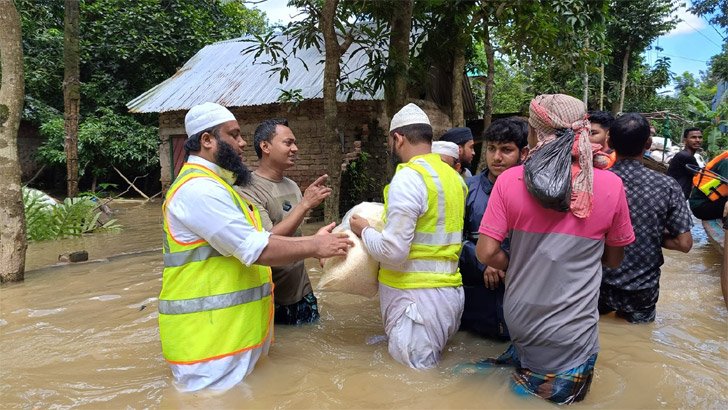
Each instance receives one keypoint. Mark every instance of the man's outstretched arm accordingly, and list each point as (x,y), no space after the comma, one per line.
(489,253)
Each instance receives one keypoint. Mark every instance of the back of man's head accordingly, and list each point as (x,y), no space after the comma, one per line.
(689,130)
(603,118)
(628,134)
(415,133)
(413,124)
(265,131)
(507,130)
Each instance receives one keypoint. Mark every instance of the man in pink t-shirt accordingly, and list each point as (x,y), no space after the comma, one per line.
(554,269)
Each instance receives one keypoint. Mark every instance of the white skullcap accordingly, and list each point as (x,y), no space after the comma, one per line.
(446,148)
(408,115)
(204,116)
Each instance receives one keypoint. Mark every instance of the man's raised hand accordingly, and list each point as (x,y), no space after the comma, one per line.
(316,192)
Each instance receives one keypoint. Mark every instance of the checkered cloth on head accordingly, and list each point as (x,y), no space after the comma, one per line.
(552,112)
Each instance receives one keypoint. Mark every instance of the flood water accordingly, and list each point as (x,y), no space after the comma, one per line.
(86,336)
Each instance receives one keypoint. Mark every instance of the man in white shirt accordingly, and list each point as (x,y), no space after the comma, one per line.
(420,287)
(216,302)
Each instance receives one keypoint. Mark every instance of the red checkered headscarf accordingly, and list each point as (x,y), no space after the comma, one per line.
(551,112)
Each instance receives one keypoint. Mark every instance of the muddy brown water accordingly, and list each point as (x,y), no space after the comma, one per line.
(86,336)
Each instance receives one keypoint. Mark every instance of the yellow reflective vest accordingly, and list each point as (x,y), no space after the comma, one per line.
(211,306)
(433,258)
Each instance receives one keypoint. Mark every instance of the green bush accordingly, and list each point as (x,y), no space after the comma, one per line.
(104,141)
(71,218)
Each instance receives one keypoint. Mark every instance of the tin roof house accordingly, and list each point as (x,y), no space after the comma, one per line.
(224,73)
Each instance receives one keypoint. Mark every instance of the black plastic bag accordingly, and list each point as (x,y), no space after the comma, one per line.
(548,172)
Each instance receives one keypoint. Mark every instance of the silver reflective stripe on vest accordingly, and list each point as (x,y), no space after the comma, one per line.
(203,304)
(165,243)
(444,238)
(173,260)
(440,237)
(440,227)
(423,265)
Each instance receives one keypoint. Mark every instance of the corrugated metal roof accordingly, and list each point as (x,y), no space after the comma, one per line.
(221,73)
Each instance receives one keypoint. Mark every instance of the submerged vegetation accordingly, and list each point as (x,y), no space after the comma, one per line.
(47,220)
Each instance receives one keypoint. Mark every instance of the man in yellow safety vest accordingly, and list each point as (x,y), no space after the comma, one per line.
(216,303)
(420,287)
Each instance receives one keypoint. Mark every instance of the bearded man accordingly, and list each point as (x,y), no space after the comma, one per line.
(463,138)
(216,303)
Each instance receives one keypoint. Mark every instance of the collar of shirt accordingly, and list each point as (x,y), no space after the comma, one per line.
(485,183)
(627,164)
(226,175)
(403,164)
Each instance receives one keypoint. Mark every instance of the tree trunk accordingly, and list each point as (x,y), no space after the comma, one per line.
(586,81)
(456,90)
(71,94)
(13,241)
(398,64)
(331,76)
(625,68)
(489,80)
(601,88)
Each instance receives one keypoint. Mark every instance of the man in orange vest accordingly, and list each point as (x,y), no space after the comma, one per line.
(710,194)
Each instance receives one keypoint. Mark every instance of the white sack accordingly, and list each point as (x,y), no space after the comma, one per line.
(658,143)
(657,155)
(357,272)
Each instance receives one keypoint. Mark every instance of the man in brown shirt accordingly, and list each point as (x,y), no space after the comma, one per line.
(282,209)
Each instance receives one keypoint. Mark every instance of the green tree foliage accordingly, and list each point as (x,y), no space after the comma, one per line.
(512,89)
(130,46)
(718,12)
(356,182)
(719,64)
(717,8)
(127,47)
(104,141)
(71,218)
(711,123)
(42,25)
(703,88)
(633,26)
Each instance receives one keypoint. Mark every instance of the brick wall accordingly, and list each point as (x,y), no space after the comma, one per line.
(362,121)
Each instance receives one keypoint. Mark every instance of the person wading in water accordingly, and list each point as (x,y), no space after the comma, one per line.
(216,303)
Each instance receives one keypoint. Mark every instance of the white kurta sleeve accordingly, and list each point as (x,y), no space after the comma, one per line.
(406,202)
(202,208)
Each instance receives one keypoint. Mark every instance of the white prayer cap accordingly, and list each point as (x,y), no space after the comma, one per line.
(409,114)
(205,116)
(446,148)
